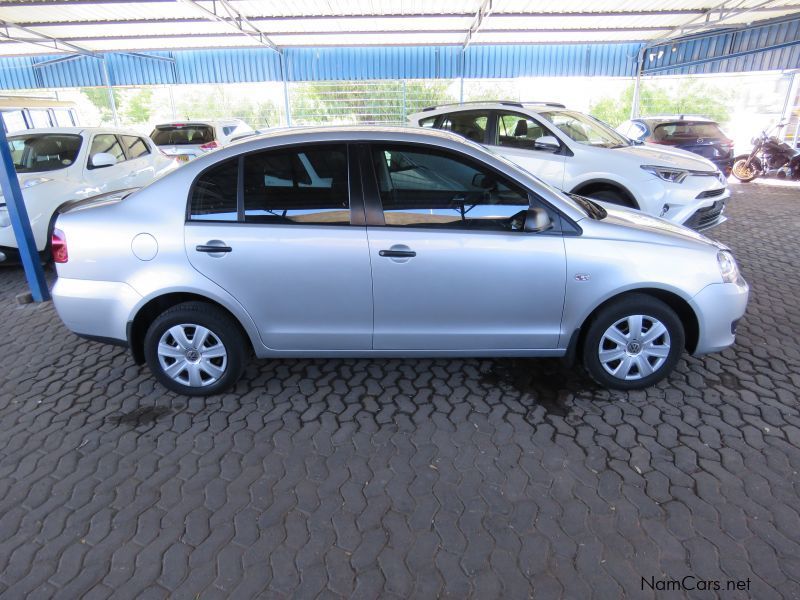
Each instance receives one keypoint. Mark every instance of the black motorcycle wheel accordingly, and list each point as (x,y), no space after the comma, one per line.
(742,172)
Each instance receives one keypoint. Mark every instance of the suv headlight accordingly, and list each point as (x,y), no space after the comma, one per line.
(728,267)
(667,173)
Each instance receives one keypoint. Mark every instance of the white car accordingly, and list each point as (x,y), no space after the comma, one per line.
(579,154)
(186,140)
(57,166)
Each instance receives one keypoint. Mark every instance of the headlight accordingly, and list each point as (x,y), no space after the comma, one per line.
(728,267)
(32,182)
(667,173)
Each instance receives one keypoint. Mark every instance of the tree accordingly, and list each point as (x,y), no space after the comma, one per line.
(99,97)
(138,106)
(689,97)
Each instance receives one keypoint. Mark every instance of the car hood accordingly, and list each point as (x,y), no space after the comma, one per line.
(651,154)
(628,224)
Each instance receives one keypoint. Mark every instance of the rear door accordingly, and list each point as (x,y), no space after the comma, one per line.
(283,232)
(453,269)
(515,137)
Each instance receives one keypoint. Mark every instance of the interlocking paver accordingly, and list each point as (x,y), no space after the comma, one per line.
(408,478)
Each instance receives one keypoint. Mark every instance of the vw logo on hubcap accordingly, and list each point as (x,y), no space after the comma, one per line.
(634,348)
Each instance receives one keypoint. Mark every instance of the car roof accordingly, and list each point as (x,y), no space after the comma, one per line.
(77,131)
(487,104)
(354,133)
(204,122)
(675,119)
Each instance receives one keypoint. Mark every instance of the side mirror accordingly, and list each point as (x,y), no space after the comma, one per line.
(537,220)
(103,159)
(547,142)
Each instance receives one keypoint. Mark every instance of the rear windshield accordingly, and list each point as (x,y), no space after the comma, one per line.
(43,152)
(677,132)
(182,135)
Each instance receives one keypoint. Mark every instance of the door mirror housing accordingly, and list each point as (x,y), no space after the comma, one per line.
(547,142)
(103,159)
(537,220)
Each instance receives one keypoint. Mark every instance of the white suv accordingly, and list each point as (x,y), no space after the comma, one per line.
(186,140)
(579,154)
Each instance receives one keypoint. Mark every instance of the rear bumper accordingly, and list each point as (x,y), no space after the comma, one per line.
(95,309)
(719,307)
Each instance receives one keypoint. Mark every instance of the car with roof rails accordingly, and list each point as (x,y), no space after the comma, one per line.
(186,140)
(581,155)
(695,134)
(56,166)
(384,242)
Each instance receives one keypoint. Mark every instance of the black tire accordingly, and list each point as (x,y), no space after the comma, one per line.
(653,310)
(738,171)
(612,197)
(222,330)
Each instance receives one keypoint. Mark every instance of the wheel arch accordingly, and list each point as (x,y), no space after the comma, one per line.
(147,313)
(602,184)
(680,305)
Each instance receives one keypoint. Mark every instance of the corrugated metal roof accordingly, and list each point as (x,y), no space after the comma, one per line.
(108,25)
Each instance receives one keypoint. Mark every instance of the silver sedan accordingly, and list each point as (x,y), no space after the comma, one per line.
(359,242)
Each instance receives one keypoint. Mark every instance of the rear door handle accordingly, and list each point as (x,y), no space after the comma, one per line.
(397,253)
(213,249)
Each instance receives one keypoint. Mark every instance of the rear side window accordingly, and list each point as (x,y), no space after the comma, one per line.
(471,124)
(182,135)
(214,193)
(40,117)
(106,143)
(63,117)
(307,186)
(686,132)
(135,146)
(425,187)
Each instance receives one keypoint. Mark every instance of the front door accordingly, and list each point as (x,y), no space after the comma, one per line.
(287,249)
(453,268)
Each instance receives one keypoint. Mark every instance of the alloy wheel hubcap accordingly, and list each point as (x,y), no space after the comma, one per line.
(192,355)
(634,347)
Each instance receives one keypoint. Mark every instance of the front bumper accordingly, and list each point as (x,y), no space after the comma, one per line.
(707,217)
(678,202)
(95,309)
(719,307)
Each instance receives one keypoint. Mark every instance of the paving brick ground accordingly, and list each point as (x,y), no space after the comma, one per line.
(409,478)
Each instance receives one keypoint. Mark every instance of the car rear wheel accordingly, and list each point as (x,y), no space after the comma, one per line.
(195,349)
(633,343)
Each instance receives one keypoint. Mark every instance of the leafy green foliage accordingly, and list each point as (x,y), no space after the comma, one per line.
(688,97)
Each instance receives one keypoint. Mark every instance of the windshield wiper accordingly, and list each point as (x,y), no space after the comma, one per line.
(594,210)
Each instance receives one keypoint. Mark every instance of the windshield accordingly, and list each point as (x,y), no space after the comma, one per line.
(585,129)
(182,135)
(44,152)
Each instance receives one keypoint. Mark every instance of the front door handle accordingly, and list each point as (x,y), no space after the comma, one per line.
(397,253)
(212,249)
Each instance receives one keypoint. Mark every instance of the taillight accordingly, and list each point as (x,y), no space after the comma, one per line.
(210,145)
(58,246)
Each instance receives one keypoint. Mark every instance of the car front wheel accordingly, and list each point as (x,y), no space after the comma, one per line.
(195,349)
(633,343)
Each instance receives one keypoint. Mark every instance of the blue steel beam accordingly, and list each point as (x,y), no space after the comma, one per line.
(20,223)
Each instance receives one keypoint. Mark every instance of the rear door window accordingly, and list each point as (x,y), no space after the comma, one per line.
(471,124)
(135,147)
(304,186)
(214,193)
(182,135)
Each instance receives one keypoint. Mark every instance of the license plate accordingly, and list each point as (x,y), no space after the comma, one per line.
(182,158)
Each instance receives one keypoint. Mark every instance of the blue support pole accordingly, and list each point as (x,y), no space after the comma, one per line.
(20,222)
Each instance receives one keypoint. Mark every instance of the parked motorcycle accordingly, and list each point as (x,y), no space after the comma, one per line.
(769,157)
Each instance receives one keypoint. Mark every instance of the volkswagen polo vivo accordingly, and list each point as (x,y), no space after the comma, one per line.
(360,242)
